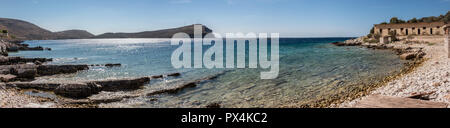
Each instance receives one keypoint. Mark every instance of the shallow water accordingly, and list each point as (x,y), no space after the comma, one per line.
(310,69)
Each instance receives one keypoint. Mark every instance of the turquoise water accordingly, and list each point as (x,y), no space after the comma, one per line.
(310,69)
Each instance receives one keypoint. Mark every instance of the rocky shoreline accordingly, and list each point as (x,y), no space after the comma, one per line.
(414,54)
(17,77)
(426,78)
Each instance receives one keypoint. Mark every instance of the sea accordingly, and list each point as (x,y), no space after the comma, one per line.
(311,69)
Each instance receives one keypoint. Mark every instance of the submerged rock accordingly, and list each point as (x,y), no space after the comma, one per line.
(157,77)
(168,75)
(38,48)
(173,90)
(174,74)
(184,86)
(113,65)
(123,84)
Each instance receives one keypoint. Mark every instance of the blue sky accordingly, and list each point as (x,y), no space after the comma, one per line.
(290,18)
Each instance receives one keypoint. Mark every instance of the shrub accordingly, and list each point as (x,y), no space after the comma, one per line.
(413,20)
(395,20)
(376,36)
(372,41)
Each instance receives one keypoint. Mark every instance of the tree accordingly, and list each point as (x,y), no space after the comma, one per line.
(395,20)
(5,31)
(413,20)
(428,19)
(446,17)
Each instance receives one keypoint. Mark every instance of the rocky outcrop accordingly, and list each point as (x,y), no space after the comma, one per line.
(412,55)
(7,78)
(20,48)
(181,87)
(78,90)
(351,42)
(408,56)
(3,48)
(32,85)
(84,89)
(113,65)
(405,53)
(346,44)
(19,60)
(30,71)
(26,73)
(21,71)
(17,45)
(48,70)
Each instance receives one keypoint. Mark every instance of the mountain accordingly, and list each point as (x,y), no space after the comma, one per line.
(73,34)
(25,30)
(166,33)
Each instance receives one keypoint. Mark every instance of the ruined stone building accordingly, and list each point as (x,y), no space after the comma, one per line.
(429,32)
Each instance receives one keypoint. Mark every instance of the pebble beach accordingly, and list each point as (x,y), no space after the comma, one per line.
(431,79)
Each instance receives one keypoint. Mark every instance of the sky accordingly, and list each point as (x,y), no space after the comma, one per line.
(290,18)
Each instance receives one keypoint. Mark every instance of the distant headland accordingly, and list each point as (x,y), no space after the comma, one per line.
(23,30)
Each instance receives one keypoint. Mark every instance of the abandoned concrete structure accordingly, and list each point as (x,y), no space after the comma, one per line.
(433,32)
(405,29)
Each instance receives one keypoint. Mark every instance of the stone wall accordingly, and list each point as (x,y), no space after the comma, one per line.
(430,39)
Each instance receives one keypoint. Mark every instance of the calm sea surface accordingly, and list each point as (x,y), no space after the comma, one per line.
(310,69)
